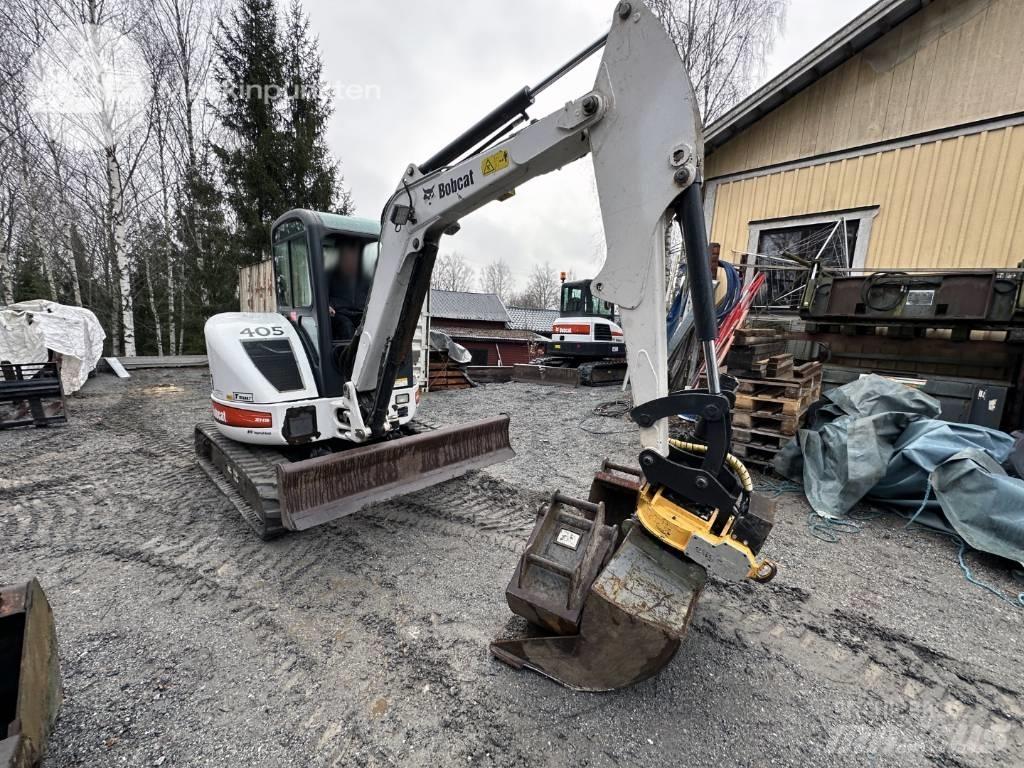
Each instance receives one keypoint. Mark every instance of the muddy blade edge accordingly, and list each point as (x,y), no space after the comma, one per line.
(325,488)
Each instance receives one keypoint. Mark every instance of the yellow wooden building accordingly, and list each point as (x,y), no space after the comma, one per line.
(907,126)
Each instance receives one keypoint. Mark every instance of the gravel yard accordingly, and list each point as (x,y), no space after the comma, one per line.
(185,641)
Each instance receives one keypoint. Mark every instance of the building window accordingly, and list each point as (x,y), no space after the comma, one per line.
(839,240)
(480,357)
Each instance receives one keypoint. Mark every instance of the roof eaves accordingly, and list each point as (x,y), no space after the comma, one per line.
(875,22)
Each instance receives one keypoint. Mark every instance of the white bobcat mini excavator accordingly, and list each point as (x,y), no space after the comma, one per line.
(587,346)
(613,579)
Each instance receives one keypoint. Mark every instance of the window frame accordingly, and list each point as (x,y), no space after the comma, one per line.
(286,235)
(865,216)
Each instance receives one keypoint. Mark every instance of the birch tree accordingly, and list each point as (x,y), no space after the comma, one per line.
(90,94)
(724,44)
(496,278)
(542,289)
(452,273)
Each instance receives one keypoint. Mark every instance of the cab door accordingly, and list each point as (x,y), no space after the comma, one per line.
(296,283)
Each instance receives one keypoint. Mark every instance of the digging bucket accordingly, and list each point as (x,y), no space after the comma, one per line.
(30,690)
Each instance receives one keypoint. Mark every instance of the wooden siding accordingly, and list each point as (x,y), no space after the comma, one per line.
(504,352)
(950,203)
(256,288)
(954,62)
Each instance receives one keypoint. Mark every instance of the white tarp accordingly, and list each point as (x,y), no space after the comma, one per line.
(21,340)
(73,332)
(442,342)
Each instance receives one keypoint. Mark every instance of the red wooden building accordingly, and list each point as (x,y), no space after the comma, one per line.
(480,323)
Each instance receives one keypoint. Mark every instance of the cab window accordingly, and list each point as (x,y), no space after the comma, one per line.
(291,267)
(601,308)
(573,301)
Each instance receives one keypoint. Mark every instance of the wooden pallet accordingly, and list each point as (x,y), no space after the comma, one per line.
(760,438)
(758,455)
(780,423)
(749,356)
(776,405)
(781,389)
(779,367)
(800,371)
(747,336)
(760,463)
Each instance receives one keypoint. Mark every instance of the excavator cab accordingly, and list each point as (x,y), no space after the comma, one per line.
(323,271)
(578,300)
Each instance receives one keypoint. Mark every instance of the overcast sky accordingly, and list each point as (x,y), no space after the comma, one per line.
(429,70)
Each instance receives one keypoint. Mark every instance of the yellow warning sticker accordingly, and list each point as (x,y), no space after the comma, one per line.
(494,163)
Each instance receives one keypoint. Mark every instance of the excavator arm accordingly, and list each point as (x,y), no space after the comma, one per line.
(641,126)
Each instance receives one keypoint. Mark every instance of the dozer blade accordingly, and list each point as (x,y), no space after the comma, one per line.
(30,691)
(546,374)
(324,488)
(638,610)
(275,495)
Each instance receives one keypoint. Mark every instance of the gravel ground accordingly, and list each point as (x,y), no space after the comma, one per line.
(187,642)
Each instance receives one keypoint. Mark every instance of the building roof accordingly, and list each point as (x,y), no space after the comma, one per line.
(539,320)
(875,22)
(462,305)
(488,334)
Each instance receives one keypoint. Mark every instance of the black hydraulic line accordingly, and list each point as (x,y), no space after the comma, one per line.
(495,120)
(570,65)
(689,209)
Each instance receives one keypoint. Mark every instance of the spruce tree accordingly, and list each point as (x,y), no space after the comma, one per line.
(249,70)
(210,260)
(312,179)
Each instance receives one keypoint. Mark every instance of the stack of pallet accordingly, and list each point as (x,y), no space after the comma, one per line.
(445,373)
(774,394)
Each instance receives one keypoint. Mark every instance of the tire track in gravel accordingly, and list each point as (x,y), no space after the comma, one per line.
(895,671)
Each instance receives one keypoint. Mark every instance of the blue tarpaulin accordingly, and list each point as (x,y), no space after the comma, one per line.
(875,438)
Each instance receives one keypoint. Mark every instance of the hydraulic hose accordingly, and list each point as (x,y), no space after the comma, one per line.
(734,463)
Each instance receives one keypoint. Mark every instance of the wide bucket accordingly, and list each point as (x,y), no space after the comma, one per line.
(30,691)
(324,488)
(636,613)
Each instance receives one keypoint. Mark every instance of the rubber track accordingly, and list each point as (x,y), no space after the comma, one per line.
(260,468)
(587,371)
